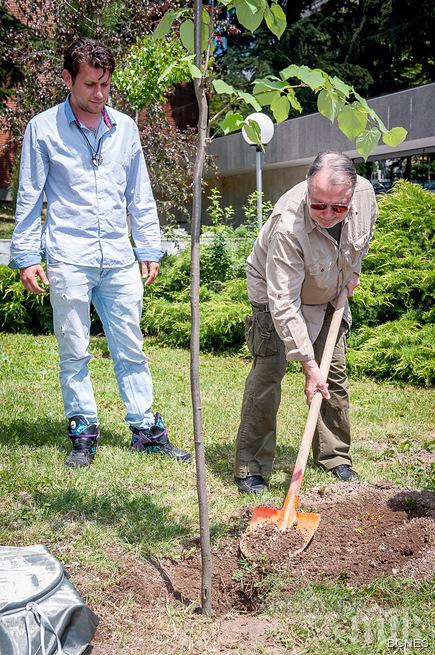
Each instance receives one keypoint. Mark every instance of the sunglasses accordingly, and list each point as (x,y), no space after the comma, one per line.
(321,206)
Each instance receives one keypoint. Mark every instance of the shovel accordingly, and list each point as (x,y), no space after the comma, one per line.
(306,523)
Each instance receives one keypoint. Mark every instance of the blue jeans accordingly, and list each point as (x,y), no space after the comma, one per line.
(117,295)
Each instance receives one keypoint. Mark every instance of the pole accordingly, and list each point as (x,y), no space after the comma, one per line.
(259,187)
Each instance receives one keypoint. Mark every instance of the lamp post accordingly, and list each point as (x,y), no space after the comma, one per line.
(266,133)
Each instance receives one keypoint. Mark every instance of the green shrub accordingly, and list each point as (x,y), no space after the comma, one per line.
(222,318)
(402,351)
(386,297)
(392,336)
(21,311)
(173,277)
(404,236)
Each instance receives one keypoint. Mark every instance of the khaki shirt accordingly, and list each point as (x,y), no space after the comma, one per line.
(297,268)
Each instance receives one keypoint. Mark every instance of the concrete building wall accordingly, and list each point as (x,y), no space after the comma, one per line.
(297,141)
(236,188)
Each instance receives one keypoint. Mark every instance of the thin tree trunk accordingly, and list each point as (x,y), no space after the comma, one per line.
(194,339)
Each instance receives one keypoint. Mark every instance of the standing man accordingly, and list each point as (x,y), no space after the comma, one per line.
(88,161)
(306,253)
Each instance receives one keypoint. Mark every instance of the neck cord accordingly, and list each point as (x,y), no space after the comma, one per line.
(95,153)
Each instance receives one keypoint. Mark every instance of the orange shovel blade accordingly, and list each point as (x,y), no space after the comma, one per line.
(306,523)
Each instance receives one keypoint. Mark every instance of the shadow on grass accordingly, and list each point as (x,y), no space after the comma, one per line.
(220,460)
(51,432)
(136,515)
(133,515)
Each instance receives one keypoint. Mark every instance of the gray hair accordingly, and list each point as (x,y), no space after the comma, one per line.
(340,167)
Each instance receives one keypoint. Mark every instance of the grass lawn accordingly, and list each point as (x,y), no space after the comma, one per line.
(144,506)
(7,220)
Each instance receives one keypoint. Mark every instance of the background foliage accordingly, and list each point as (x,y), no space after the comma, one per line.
(393,311)
(377,46)
(35,45)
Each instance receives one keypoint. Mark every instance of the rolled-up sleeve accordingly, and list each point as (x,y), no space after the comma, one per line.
(145,227)
(26,249)
(285,273)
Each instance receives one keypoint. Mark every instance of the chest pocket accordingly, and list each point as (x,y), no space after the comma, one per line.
(320,268)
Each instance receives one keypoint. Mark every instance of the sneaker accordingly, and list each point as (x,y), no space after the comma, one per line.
(84,439)
(344,473)
(155,440)
(252,484)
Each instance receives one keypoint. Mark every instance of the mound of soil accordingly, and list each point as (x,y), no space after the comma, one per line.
(366,531)
(257,544)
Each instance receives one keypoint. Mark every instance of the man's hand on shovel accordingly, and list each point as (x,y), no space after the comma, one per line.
(314,381)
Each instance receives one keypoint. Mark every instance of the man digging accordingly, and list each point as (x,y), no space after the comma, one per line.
(307,251)
(88,161)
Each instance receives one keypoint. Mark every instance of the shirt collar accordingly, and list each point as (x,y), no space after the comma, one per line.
(108,117)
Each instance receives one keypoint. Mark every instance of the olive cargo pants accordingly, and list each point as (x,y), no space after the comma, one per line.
(256,437)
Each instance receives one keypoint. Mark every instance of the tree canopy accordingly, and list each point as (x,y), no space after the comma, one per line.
(378,46)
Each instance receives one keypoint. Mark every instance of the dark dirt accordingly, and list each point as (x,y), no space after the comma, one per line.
(366,532)
(260,543)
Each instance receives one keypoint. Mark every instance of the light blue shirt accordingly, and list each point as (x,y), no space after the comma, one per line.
(87,205)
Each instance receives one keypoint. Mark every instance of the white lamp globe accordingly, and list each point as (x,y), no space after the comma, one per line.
(266,128)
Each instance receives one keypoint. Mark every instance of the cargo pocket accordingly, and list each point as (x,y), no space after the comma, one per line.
(261,336)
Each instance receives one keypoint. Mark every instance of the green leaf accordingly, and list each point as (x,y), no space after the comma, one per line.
(186,34)
(194,70)
(310,76)
(280,109)
(205,31)
(341,86)
(361,100)
(367,141)
(328,105)
(166,72)
(267,97)
(222,87)
(253,131)
(259,87)
(395,136)
(233,121)
(267,84)
(247,17)
(165,24)
(352,121)
(371,112)
(249,99)
(291,95)
(254,5)
(379,122)
(290,71)
(275,20)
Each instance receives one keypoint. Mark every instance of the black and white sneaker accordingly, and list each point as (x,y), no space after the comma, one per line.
(155,440)
(345,473)
(84,439)
(252,484)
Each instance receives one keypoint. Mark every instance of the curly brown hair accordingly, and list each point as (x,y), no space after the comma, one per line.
(88,51)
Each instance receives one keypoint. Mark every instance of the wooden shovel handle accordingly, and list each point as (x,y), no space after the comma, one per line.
(313,414)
